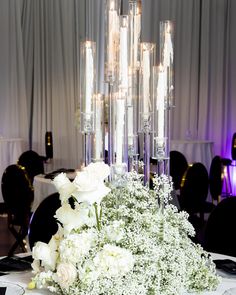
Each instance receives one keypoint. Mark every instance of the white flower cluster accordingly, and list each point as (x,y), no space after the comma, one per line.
(122,244)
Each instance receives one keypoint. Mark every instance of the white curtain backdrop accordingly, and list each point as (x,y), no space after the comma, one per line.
(39,69)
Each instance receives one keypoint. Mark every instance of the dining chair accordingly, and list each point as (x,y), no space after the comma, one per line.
(220,228)
(18,196)
(216,178)
(43,223)
(194,190)
(33,163)
(178,166)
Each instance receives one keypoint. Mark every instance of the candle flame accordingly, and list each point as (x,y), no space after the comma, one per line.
(88,44)
(112,5)
(161,68)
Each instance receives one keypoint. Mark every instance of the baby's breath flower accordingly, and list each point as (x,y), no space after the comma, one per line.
(142,246)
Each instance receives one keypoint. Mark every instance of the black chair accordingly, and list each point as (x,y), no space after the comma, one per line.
(18,196)
(178,166)
(194,191)
(33,163)
(216,179)
(43,223)
(233,147)
(220,228)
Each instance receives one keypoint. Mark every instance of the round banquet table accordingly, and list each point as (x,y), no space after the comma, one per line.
(228,281)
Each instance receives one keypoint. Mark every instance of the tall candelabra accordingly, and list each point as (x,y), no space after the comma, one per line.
(139,95)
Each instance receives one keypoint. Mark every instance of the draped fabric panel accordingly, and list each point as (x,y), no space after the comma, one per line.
(13,118)
(39,69)
(52,30)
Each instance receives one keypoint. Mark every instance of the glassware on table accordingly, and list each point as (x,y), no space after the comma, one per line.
(11,288)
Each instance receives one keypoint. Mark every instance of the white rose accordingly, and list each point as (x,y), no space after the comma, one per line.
(69,218)
(66,274)
(90,188)
(100,170)
(45,253)
(64,186)
(94,196)
(84,181)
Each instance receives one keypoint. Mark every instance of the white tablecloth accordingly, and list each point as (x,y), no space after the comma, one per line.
(10,150)
(195,150)
(23,278)
(43,187)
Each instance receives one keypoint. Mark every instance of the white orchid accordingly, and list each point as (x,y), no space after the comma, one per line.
(64,186)
(69,218)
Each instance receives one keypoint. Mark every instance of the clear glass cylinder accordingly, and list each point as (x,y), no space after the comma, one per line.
(123,56)
(161,111)
(135,12)
(112,28)
(98,140)
(132,112)
(119,129)
(87,85)
(146,86)
(167,57)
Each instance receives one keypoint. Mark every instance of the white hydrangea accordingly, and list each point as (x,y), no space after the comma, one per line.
(75,246)
(113,261)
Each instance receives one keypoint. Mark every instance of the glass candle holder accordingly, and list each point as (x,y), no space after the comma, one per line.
(167,57)
(112,29)
(123,56)
(98,140)
(135,12)
(146,86)
(87,85)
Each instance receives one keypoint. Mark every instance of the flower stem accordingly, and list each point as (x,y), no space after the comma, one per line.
(97,217)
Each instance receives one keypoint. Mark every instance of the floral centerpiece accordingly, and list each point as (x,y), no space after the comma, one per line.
(122,240)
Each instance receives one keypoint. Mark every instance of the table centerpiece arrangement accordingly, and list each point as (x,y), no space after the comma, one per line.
(120,240)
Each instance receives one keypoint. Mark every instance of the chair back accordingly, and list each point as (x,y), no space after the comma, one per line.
(215,178)
(17,192)
(178,166)
(220,228)
(32,162)
(43,223)
(194,188)
(233,147)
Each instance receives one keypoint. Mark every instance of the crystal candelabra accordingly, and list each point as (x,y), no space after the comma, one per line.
(139,93)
